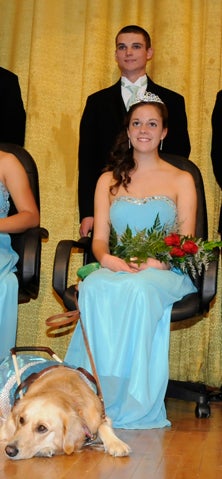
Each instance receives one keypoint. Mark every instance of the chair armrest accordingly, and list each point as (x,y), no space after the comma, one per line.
(32,254)
(209,284)
(62,260)
(28,246)
(32,259)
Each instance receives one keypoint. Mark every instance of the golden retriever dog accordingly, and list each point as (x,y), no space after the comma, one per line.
(55,416)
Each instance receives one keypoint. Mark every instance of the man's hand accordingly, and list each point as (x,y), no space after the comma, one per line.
(86,226)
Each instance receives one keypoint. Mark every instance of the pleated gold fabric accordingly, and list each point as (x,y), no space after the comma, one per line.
(63,50)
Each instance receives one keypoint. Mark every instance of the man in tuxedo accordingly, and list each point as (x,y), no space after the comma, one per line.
(12,113)
(216,147)
(105,110)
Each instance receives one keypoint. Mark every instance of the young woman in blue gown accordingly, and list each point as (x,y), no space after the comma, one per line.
(14,182)
(126,308)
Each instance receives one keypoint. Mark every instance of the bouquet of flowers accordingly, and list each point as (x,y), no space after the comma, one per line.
(186,253)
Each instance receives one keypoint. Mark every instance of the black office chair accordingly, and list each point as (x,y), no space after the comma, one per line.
(193,305)
(29,243)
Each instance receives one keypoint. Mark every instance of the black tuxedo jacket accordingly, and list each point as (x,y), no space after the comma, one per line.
(101,122)
(12,113)
(216,148)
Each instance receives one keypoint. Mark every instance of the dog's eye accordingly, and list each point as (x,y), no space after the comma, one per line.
(41,429)
(21,420)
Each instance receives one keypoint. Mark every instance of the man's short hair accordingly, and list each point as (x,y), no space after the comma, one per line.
(136,29)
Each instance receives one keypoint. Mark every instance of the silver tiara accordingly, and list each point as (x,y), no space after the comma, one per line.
(147,97)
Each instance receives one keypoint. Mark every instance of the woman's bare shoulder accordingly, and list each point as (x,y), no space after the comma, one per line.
(7,164)
(4,155)
(8,159)
(105,178)
(182,175)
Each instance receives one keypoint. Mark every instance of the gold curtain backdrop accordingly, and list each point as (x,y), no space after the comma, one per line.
(63,50)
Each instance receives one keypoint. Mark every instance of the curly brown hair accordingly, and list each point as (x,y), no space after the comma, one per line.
(121,161)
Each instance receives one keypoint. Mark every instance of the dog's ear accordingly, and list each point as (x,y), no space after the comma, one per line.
(73,433)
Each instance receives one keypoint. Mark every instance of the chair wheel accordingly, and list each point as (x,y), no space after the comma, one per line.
(202,410)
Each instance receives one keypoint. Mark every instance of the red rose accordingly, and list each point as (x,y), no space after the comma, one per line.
(177,252)
(190,247)
(172,240)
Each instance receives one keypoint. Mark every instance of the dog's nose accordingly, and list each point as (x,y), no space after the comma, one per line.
(11,450)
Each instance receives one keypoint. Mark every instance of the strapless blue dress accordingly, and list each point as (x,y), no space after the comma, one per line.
(8,284)
(127,321)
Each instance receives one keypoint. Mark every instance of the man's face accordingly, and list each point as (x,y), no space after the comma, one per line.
(132,54)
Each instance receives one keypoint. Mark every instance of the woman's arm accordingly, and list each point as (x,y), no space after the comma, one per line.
(14,177)
(186,204)
(101,233)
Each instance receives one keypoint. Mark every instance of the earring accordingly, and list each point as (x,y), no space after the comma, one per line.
(129,143)
(161,145)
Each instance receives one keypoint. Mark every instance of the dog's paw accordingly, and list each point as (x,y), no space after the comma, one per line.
(118,448)
(112,444)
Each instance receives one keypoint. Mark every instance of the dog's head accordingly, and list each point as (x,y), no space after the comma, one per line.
(44,426)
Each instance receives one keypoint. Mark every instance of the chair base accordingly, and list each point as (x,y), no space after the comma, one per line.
(189,391)
(215,395)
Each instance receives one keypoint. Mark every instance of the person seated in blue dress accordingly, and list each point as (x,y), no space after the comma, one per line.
(125,306)
(14,182)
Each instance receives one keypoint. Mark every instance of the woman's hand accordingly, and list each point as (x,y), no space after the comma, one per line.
(117,264)
(149,263)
